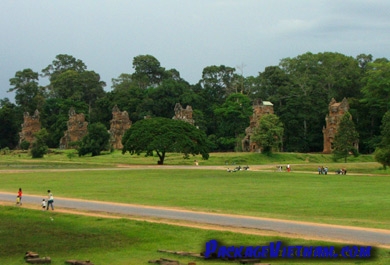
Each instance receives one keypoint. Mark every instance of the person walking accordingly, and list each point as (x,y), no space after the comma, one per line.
(50,200)
(20,194)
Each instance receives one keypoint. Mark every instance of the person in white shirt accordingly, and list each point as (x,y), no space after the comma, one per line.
(50,200)
(43,204)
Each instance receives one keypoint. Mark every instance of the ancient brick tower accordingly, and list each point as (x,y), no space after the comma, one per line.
(336,111)
(183,114)
(77,129)
(31,125)
(118,125)
(260,108)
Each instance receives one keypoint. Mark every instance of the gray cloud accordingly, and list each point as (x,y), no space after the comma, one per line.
(186,35)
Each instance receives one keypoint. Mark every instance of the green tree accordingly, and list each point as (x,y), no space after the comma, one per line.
(382,152)
(79,86)
(96,140)
(269,134)
(346,138)
(167,94)
(70,80)
(28,95)
(62,63)
(55,115)
(148,71)
(39,147)
(162,135)
(9,124)
(218,82)
(232,119)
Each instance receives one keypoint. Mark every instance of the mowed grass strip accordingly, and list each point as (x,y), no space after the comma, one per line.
(121,241)
(332,199)
(69,158)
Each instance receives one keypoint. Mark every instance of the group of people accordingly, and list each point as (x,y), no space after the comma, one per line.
(280,168)
(341,171)
(238,169)
(322,170)
(45,204)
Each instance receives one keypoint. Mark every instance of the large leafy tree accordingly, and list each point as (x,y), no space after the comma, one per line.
(218,82)
(128,96)
(148,71)
(345,138)
(232,119)
(167,94)
(9,124)
(269,134)
(272,84)
(163,135)
(28,95)
(96,140)
(70,79)
(313,80)
(63,63)
(375,101)
(83,86)
(382,152)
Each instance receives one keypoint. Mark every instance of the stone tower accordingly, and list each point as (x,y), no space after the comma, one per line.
(183,114)
(31,125)
(336,111)
(118,125)
(77,129)
(260,108)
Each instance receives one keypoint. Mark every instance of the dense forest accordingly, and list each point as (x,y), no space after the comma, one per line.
(300,89)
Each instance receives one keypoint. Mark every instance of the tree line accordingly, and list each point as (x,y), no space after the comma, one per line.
(300,89)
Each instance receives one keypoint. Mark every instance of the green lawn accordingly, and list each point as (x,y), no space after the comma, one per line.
(68,158)
(334,199)
(358,200)
(122,242)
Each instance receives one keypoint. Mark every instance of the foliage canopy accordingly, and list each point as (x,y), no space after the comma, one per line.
(95,141)
(162,135)
(345,138)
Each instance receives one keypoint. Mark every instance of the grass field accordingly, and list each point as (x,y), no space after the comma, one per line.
(121,242)
(357,200)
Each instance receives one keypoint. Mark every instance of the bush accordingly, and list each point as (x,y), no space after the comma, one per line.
(25,145)
(39,147)
(95,141)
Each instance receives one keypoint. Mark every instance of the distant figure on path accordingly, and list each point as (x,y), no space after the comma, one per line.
(288,168)
(50,200)
(20,194)
(43,204)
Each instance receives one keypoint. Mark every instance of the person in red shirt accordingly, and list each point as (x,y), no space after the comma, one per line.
(20,193)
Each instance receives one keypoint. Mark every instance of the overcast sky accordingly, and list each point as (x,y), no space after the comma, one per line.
(187,35)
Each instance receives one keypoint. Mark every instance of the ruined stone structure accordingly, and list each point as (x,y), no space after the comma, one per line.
(31,125)
(260,108)
(336,111)
(77,129)
(118,125)
(183,114)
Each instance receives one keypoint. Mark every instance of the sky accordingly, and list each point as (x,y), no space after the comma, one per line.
(187,35)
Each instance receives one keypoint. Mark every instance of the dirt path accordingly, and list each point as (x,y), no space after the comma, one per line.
(222,222)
